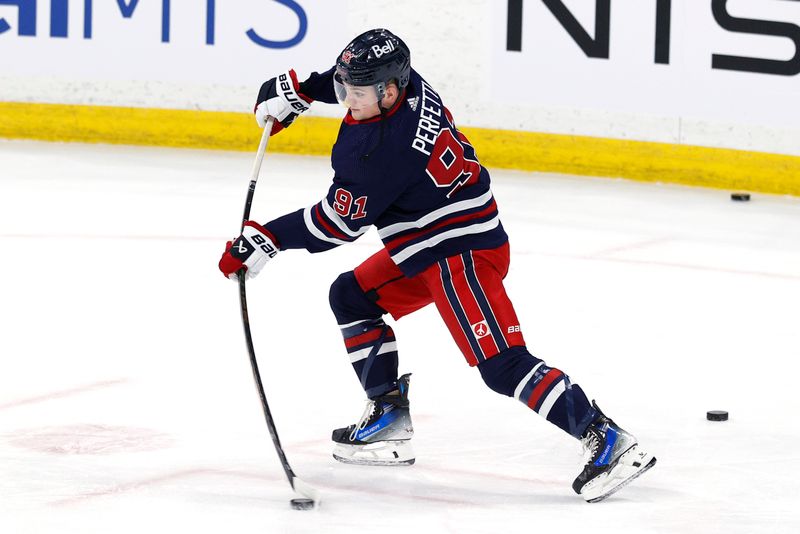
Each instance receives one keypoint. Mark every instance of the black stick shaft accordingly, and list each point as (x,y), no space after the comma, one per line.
(273,432)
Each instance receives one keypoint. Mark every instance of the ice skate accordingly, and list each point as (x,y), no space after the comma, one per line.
(383,434)
(614,459)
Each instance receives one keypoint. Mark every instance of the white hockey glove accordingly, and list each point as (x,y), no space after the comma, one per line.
(280,98)
(251,250)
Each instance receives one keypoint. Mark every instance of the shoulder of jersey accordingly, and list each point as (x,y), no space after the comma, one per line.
(409,112)
(413,95)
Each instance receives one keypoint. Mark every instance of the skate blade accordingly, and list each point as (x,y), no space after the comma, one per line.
(630,466)
(384,453)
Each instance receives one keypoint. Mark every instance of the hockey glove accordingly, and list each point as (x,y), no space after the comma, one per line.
(280,98)
(250,251)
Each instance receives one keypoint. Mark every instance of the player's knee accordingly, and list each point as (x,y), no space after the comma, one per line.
(348,301)
(504,371)
(341,292)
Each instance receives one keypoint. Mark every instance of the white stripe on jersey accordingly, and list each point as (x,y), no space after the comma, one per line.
(315,231)
(434,215)
(363,353)
(332,215)
(444,236)
(552,397)
(524,382)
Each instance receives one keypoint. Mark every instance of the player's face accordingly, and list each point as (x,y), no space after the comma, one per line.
(362,101)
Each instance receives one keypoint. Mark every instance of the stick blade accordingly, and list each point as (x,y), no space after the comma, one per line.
(304,490)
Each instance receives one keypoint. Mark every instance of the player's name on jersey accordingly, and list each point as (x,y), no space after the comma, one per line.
(429,120)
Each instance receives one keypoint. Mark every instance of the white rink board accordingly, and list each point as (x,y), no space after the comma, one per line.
(551,70)
(193,42)
(459,46)
(127,403)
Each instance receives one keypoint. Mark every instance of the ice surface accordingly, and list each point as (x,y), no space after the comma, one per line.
(127,403)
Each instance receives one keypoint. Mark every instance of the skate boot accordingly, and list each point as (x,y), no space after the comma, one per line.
(614,459)
(382,435)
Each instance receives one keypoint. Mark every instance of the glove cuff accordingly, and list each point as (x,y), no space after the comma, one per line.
(255,225)
(288,88)
(296,87)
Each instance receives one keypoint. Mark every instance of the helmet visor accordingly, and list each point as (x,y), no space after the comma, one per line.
(355,96)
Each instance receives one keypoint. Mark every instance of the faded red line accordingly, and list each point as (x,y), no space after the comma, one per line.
(304,446)
(114,237)
(704,268)
(130,486)
(669,264)
(61,394)
(631,246)
(373,490)
(153,481)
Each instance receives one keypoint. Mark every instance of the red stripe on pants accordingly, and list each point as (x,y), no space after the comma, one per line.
(447,311)
(470,305)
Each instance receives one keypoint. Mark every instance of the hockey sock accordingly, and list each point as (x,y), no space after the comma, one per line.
(373,352)
(370,342)
(546,390)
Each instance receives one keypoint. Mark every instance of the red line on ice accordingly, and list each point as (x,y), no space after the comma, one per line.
(61,394)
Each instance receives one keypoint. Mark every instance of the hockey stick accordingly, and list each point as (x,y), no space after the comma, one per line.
(311,495)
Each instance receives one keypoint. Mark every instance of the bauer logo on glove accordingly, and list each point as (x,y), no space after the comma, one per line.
(280,98)
(250,251)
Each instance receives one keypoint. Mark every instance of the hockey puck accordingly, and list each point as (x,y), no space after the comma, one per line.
(717,415)
(741,197)
(302,504)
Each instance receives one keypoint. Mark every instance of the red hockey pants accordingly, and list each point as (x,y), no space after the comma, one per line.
(467,290)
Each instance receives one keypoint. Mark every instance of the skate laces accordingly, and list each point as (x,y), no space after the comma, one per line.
(369,409)
(590,445)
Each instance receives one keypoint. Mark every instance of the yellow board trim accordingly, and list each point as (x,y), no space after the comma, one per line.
(527,151)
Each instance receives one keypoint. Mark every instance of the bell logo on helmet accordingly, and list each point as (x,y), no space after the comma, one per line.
(381,50)
(347,55)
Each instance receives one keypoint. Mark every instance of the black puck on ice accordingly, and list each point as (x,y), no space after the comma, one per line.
(741,197)
(302,504)
(717,415)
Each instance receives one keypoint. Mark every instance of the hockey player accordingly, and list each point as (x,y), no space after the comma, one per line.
(401,165)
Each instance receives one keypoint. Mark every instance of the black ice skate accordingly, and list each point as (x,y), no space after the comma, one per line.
(382,435)
(614,459)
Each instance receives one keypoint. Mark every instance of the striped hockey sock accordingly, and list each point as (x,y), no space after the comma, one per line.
(372,349)
(546,390)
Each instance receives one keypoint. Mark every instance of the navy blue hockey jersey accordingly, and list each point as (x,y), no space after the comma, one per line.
(411,174)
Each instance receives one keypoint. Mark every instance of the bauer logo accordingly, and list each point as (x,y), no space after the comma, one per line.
(480,329)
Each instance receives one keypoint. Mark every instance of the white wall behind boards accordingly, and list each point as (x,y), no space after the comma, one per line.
(708,72)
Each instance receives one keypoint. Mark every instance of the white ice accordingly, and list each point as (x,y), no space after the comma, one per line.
(127,402)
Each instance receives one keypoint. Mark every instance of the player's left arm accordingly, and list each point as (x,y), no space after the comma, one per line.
(344,215)
(319,86)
